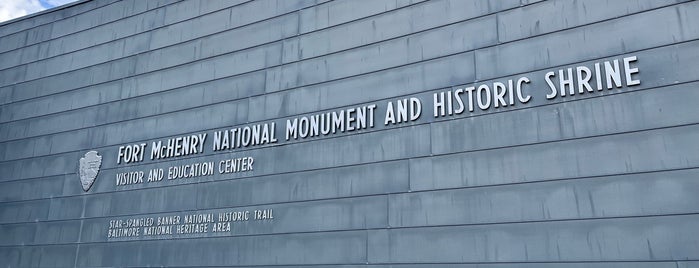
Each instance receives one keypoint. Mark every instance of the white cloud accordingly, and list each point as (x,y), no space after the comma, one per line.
(10,9)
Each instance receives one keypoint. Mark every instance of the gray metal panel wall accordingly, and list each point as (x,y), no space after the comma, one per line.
(608,179)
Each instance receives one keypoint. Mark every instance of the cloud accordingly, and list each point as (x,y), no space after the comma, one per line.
(10,9)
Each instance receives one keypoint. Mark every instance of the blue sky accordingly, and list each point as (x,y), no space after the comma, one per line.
(10,9)
(54,3)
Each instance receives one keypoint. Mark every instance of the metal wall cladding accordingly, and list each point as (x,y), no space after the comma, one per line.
(605,179)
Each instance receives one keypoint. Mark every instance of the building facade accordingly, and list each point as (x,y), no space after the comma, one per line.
(351,133)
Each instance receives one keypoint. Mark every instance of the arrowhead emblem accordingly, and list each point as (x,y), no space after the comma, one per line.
(89,167)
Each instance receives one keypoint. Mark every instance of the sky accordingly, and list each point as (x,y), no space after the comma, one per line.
(10,9)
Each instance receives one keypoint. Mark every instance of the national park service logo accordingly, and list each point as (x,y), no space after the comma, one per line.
(89,167)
